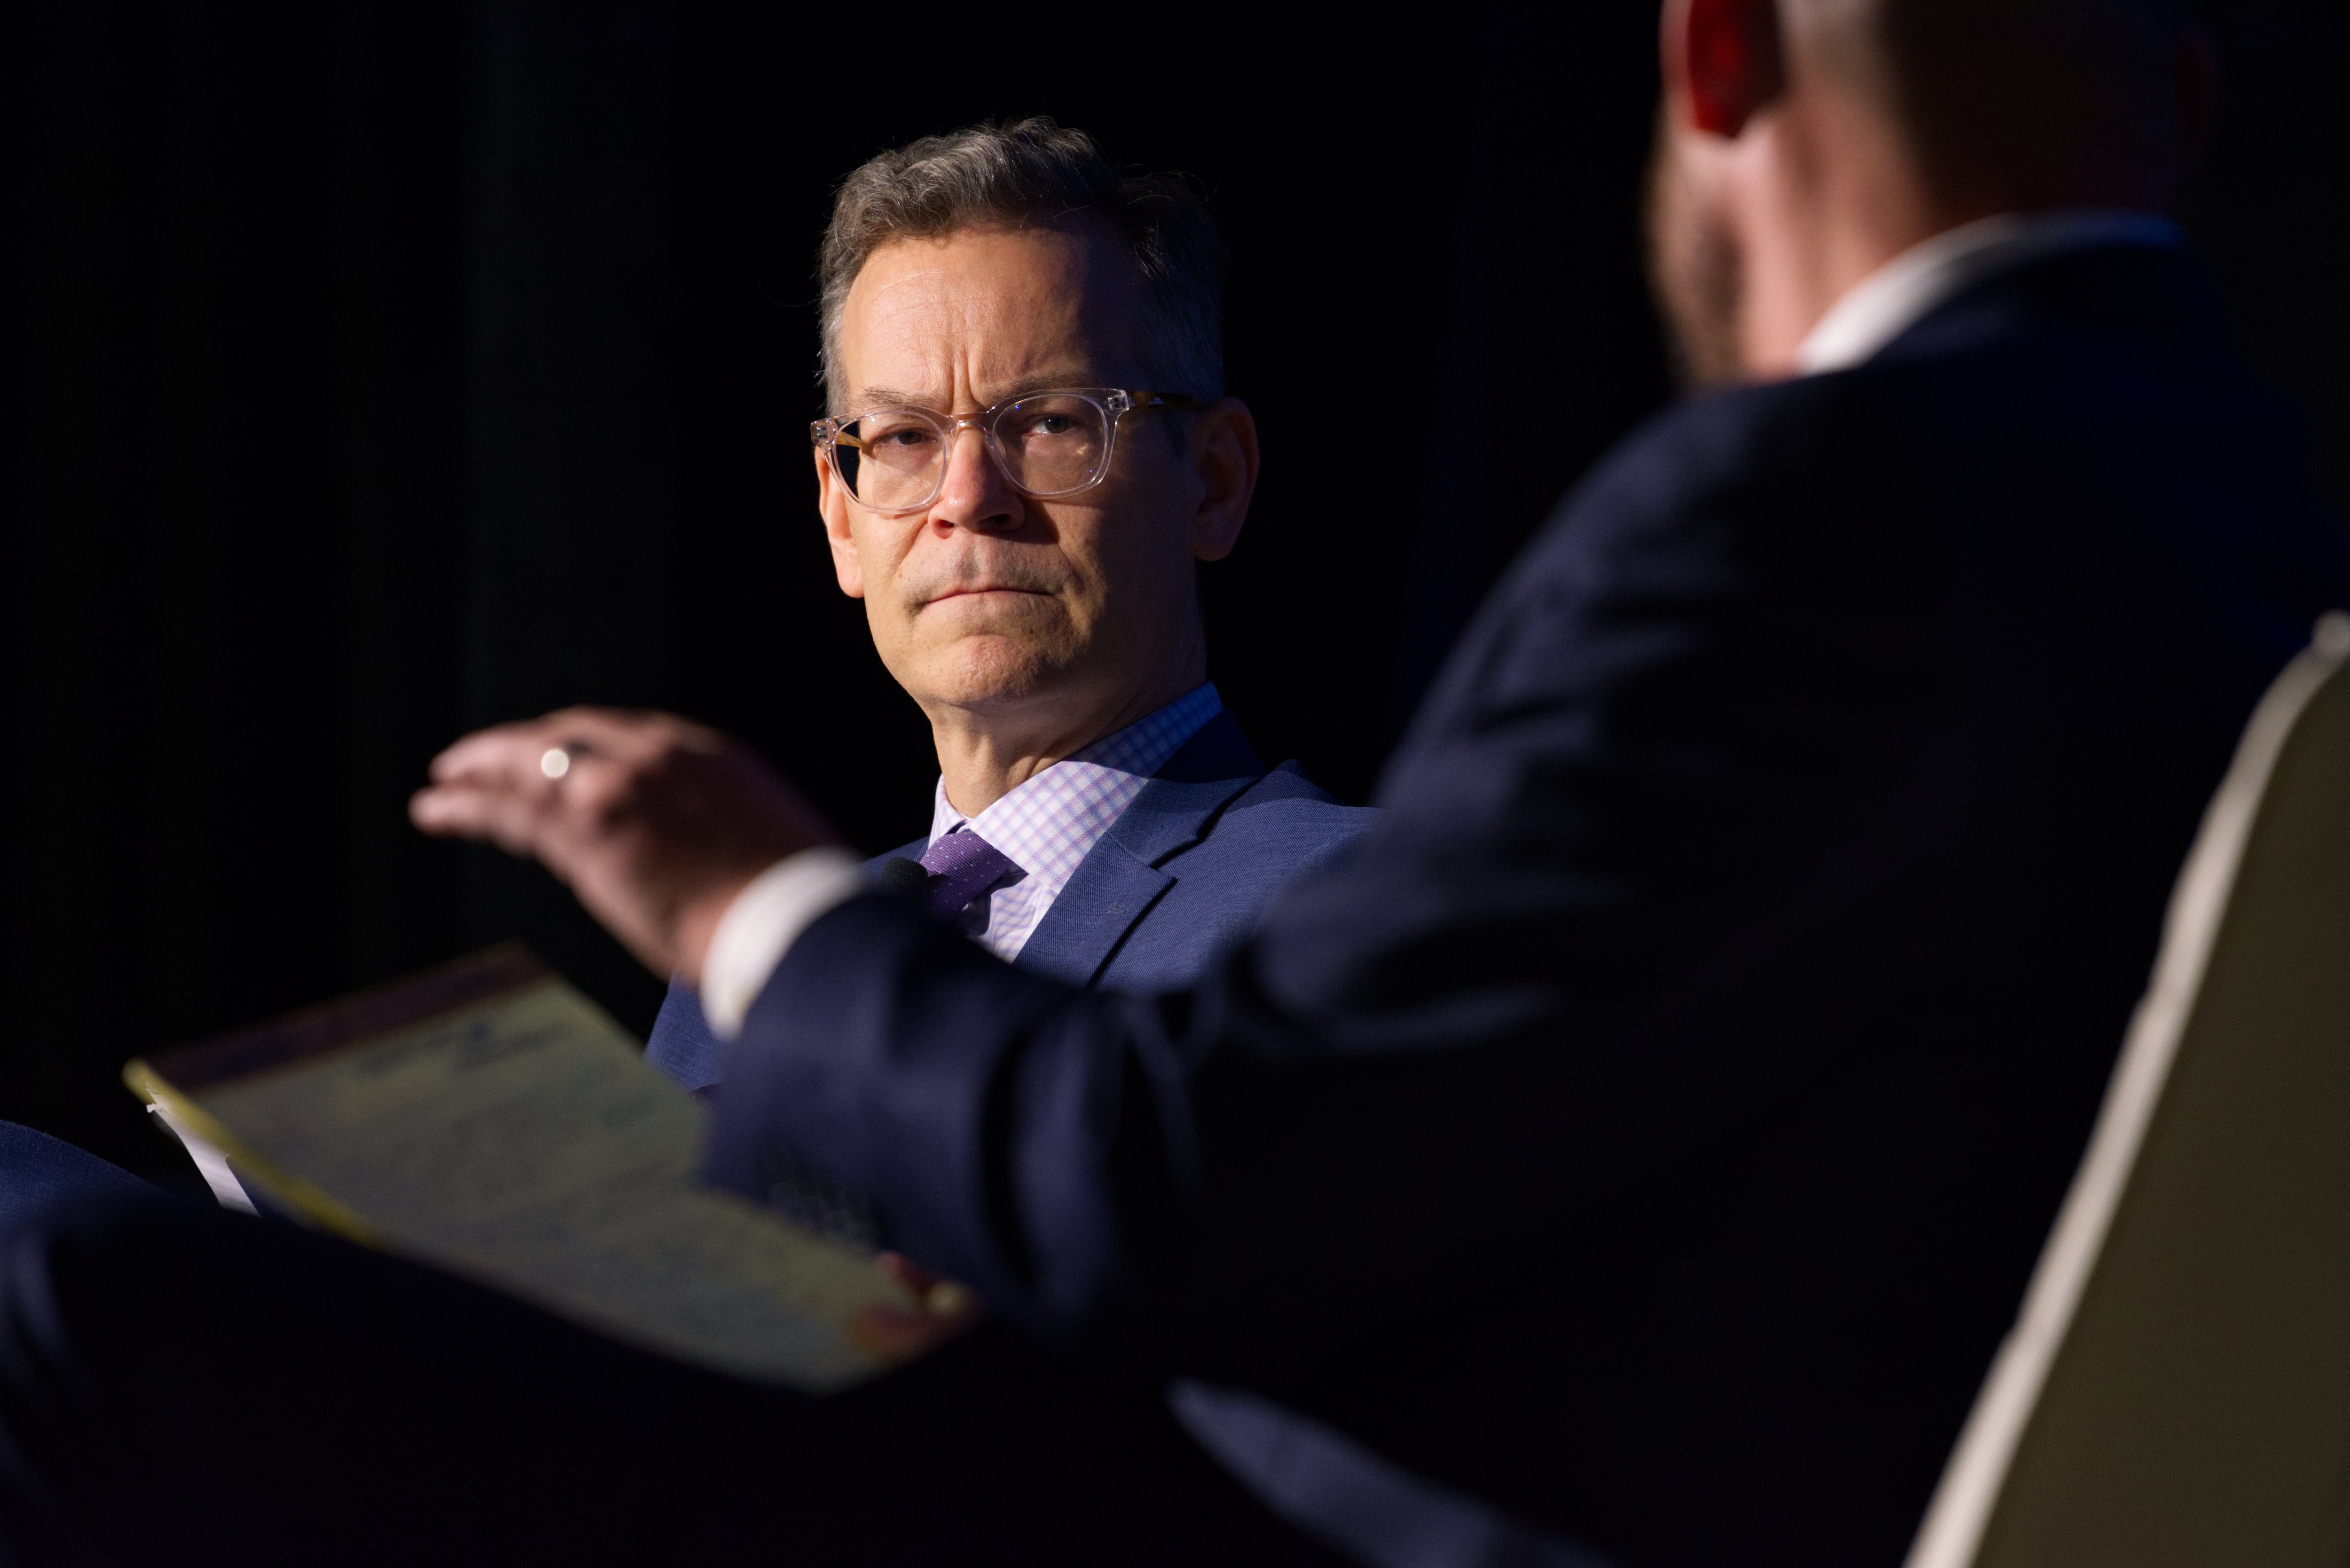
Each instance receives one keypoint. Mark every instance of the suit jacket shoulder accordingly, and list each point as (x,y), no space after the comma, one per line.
(1184,874)
(1189,869)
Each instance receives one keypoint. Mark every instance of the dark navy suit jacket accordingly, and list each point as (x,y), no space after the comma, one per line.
(1652,1126)
(1181,877)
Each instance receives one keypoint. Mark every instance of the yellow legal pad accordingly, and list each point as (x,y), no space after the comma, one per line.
(487,1119)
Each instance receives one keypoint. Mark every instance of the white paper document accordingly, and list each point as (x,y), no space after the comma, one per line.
(513,1134)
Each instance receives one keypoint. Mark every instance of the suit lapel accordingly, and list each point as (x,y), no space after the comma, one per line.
(1121,877)
(1108,896)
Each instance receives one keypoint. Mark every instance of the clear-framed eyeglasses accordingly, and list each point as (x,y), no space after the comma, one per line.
(1049,444)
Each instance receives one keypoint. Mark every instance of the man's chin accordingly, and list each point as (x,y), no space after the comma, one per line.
(994,670)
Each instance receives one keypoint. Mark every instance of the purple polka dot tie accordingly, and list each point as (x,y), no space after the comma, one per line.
(962,866)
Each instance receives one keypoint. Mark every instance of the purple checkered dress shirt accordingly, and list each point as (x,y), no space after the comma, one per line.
(1047,824)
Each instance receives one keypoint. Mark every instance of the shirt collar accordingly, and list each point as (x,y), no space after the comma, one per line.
(1894,298)
(1050,821)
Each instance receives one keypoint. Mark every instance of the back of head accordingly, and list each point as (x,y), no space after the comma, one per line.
(2016,104)
(1034,171)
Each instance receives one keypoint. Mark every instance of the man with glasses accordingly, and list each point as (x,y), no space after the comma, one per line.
(1649,1129)
(1029,451)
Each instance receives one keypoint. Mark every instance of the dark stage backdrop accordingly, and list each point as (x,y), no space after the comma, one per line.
(390,370)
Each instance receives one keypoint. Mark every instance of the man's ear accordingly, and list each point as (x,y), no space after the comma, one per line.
(1722,61)
(1223,454)
(832,502)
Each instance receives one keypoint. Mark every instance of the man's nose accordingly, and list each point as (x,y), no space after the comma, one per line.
(974,493)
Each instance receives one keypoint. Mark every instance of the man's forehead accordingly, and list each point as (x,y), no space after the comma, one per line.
(992,312)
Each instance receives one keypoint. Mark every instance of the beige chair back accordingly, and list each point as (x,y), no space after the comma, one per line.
(2175,1392)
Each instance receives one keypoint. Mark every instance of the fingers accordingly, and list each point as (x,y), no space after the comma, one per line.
(941,1309)
(513,753)
(895,1336)
(631,735)
(504,818)
(654,822)
(940,1296)
(497,784)
(907,1272)
(482,756)
(491,785)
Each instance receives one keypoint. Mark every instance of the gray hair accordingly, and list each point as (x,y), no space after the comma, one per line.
(1036,171)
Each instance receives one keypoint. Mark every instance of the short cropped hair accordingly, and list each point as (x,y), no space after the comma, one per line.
(2017,93)
(1036,172)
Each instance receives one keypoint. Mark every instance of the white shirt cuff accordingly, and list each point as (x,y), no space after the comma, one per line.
(762,922)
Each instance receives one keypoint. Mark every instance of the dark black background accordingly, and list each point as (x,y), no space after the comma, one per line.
(379,370)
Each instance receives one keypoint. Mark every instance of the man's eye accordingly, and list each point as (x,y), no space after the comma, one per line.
(903,436)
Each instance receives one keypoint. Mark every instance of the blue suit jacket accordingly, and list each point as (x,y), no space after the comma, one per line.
(1181,877)
(1652,1127)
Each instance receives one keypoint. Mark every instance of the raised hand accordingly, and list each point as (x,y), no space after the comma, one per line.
(655,821)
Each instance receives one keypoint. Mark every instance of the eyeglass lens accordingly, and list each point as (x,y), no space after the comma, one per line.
(1048,445)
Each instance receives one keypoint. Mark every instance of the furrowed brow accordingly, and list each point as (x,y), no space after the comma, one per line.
(1027,386)
(889,398)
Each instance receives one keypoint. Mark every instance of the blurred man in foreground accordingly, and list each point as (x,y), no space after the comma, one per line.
(1647,1135)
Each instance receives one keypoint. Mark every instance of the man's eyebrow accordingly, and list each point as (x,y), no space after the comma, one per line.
(887,398)
(893,398)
